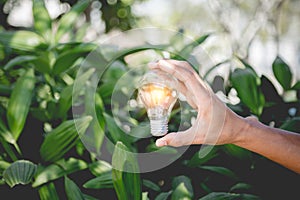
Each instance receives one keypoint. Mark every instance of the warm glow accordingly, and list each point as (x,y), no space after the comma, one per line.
(155,94)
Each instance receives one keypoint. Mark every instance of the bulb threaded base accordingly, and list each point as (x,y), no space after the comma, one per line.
(159,127)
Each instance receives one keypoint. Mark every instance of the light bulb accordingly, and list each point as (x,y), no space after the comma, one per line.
(158,95)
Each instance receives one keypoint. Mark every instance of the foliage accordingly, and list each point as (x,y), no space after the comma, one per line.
(37,81)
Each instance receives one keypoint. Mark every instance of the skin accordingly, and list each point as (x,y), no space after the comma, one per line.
(216,124)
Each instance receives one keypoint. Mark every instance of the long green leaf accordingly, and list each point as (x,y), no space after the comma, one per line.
(115,134)
(100,167)
(237,151)
(57,170)
(94,138)
(18,61)
(67,59)
(44,61)
(8,149)
(3,166)
(245,82)
(228,196)
(19,172)
(151,185)
(63,138)
(23,41)
(196,160)
(42,20)
(240,186)
(221,170)
(48,192)
(102,181)
(8,137)
(126,178)
(65,100)
(282,73)
(19,103)
(163,195)
(68,20)
(72,190)
(292,125)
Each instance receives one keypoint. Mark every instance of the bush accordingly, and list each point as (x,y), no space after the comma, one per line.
(45,146)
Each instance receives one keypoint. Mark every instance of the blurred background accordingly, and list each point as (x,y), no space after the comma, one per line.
(257,30)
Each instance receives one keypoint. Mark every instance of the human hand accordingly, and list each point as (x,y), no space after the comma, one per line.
(215,124)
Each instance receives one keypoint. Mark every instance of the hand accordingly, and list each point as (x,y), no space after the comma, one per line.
(215,124)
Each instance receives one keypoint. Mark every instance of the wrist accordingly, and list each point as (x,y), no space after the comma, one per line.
(245,129)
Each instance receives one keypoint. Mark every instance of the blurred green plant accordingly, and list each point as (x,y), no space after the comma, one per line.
(37,79)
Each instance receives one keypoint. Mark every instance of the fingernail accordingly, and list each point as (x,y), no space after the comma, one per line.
(160,143)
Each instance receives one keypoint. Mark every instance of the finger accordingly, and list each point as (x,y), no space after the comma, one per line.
(176,139)
(184,73)
(153,65)
(180,86)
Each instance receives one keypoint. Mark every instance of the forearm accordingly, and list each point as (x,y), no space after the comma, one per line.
(277,145)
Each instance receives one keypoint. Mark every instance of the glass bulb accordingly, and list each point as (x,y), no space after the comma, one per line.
(158,95)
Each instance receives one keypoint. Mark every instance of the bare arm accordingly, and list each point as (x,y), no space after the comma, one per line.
(216,124)
(278,145)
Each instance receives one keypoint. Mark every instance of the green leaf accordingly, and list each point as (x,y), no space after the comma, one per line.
(114,54)
(145,196)
(282,73)
(68,20)
(245,82)
(67,59)
(102,181)
(126,178)
(48,192)
(88,197)
(18,61)
(42,20)
(162,150)
(19,172)
(72,190)
(196,160)
(19,103)
(61,139)
(93,139)
(237,151)
(115,134)
(72,91)
(182,190)
(44,61)
(23,41)
(8,137)
(163,195)
(151,185)
(220,170)
(3,166)
(292,125)
(240,186)
(57,170)
(8,149)
(228,196)
(99,167)
(296,86)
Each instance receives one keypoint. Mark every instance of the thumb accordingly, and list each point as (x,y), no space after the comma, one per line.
(175,139)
